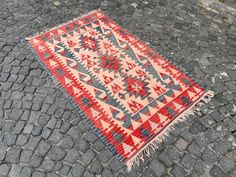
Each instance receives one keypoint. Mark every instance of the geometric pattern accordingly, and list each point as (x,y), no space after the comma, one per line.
(126,92)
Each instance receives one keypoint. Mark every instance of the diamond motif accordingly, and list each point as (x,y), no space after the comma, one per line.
(136,87)
(89,42)
(129,93)
(110,62)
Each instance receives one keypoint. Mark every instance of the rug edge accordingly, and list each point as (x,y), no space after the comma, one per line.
(155,142)
(61,24)
(70,100)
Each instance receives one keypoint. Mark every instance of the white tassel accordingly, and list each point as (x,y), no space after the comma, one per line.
(135,160)
(156,141)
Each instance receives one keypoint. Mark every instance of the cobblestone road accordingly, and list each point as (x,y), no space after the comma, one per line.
(41,135)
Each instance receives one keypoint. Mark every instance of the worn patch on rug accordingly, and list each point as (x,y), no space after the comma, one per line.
(128,94)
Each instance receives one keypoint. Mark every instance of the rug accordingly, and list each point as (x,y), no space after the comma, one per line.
(127,93)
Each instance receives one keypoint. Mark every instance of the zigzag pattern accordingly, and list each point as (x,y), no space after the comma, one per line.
(127,92)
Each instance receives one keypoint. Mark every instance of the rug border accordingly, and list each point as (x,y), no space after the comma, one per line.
(62,24)
(70,99)
(154,143)
(158,139)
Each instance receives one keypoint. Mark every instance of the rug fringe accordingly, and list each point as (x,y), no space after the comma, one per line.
(154,143)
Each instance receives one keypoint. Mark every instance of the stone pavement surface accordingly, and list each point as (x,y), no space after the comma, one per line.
(41,135)
(231,3)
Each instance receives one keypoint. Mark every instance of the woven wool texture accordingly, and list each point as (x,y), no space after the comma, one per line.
(127,93)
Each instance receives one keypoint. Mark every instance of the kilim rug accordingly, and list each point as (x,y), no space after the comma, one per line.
(128,94)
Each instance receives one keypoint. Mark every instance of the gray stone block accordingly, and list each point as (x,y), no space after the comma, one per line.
(157,167)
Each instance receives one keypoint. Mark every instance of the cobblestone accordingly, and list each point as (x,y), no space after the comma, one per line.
(43,147)
(47,165)
(55,137)
(217,172)
(32,143)
(178,171)
(221,147)
(42,135)
(26,172)
(13,155)
(211,135)
(181,144)
(36,160)
(65,170)
(227,164)
(87,157)
(26,156)
(157,167)
(200,166)
(98,145)
(88,174)
(173,153)
(83,146)
(164,157)
(96,167)
(209,156)
(147,173)
(3,151)
(107,173)
(4,169)
(19,127)
(28,128)
(115,165)
(37,130)
(46,133)
(233,173)
(105,156)
(194,149)
(77,170)
(67,143)
(56,153)
(15,171)
(72,156)
(187,161)
(38,174)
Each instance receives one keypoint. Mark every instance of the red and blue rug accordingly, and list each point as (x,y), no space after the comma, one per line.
(129,95)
